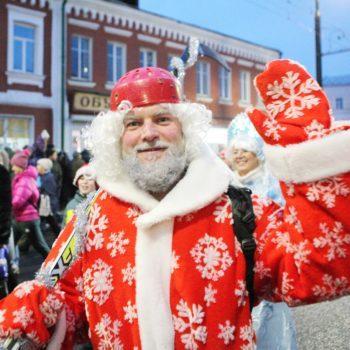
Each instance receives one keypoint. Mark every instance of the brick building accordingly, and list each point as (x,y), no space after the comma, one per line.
(102,40)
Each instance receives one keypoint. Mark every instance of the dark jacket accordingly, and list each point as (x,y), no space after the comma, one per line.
(49,186)
(71,206)
(5,204)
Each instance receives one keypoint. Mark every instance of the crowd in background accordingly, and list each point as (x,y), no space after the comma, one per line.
(39,191)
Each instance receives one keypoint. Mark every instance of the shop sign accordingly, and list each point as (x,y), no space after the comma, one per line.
(90,102)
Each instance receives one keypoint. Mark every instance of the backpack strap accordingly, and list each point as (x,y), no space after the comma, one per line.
(243,227)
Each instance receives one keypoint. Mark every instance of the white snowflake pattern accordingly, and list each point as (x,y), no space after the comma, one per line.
(262,271)
(209,295)
(292,96)
(25,288)
(108,333)
(130,312)
(117,243)
(2,315)
(33,336)
(290,190)
(286,287)
(327,190)
(226,332)
(332,287)
(98,282)
(246,333)
(50,308)
(212,257)
(299,251)
(133,212)
(242,293)
(334,239)
(174,264)
(23,316)
(185,218)
(188,321)
(292,218)
(223,211)
(104,195)
(273,128)
(259,206)
(79,286)
(315,130)
(96,225)
(129,274)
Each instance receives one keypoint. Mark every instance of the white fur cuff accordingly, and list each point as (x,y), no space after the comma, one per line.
(310,160)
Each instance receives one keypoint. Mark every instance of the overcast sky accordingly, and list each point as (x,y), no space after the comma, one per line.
(287,25)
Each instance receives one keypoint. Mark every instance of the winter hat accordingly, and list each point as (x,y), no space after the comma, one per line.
(20,159)
(46,163)
(50,150)
(144,87)
(85,170)
(241,134)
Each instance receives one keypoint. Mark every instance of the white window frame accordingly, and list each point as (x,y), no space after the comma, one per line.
(244,88)
(109,84)
(79,78)
(144,51)
(204,96)
(20,116)
(225,99)
(35,19)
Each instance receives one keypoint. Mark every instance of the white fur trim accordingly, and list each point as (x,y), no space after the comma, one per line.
(310,160)
(206,178)
(153,272)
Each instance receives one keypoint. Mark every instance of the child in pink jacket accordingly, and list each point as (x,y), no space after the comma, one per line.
(25,196)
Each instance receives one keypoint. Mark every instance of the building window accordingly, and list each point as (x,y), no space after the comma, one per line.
(81,57)
(23,48)
(148,58)
(203,78)
(339,103)
(25,53)
(16,132)
(225,84)
(244,81)
(116,58)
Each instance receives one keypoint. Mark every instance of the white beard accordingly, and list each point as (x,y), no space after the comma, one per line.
(156,176)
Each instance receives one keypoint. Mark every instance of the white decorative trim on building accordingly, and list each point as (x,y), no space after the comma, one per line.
(83,24)
(134,19)
(228,59)
(174,45)
(25,11)
(226,102)
(82,117)
(109,85)
(245,63)
(260,66)
(42,3)
(149,39)
(28,99)
(117,31)
(203,98)
(14,77)
(81,83)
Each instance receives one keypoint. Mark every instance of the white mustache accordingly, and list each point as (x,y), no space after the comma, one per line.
(146,146)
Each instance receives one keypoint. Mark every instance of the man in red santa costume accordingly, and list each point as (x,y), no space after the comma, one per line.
(157,266)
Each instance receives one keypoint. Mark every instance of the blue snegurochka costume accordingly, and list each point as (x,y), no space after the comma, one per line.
(273,322)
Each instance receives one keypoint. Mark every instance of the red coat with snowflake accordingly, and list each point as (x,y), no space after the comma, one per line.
(171,274)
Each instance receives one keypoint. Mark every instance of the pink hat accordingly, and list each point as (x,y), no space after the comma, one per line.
(20,159)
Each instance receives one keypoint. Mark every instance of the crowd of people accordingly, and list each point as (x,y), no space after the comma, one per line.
(40,189)
(159,260)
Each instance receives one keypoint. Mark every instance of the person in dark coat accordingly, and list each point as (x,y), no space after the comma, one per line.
(68,189)
(51,153)
(48,187)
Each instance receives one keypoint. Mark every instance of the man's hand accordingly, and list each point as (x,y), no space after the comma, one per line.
(297,109)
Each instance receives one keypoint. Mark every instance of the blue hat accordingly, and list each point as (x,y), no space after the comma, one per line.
(242,134)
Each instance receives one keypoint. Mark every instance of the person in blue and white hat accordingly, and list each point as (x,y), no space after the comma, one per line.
(273,322)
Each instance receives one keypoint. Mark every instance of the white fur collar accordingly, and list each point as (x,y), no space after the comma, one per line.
(207,177)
